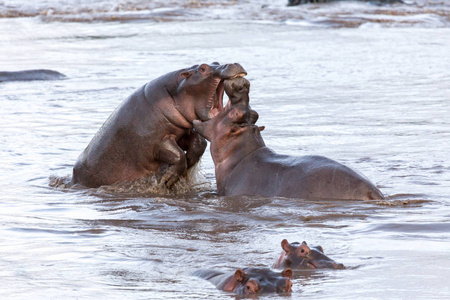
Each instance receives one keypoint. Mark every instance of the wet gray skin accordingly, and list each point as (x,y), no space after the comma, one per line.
(28,75)
(296,255)
(248,281)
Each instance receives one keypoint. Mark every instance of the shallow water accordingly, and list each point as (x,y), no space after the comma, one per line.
(375,98)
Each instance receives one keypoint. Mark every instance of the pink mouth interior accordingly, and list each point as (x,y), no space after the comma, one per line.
(218,101)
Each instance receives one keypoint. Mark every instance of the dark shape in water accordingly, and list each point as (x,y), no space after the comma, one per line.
(300,256)
(28,75)
(298,2)
(249,280)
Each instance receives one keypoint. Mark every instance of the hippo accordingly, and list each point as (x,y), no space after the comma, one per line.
(249,280)
(298,2)
(28,75)
(150,133)
(300,256)
(245,166)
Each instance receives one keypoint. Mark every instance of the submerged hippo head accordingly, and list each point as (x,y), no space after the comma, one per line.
(260,280)
(202,87)
(298,255)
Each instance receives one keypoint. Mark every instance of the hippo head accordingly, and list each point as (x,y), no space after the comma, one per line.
(232,132)
(235,118)
(201,87)
(302,256)
(262,280)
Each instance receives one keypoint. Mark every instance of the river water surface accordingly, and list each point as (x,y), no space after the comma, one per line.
(372,95)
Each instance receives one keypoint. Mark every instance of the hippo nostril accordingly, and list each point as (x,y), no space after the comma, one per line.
(251,287)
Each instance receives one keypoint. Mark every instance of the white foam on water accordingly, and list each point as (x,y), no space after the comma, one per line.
(336,14)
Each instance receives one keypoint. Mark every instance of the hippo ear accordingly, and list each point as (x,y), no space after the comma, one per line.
(236,129)
(240,275)
(320,249)
(186,74)
(261,128)
(286,246)
(287,273)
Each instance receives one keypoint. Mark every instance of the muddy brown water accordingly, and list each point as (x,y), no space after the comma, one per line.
(374,98)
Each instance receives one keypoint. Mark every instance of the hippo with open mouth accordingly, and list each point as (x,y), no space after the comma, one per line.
(150,133)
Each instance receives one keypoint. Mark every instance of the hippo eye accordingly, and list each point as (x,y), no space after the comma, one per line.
(202,69)
(302,250)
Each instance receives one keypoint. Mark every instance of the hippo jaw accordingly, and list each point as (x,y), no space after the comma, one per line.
(215,100)
(213,77)
(320,264)
(198,90)
(311,264)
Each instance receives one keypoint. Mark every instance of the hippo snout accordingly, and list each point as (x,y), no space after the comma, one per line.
(236,85)
(230,71)
(237,89)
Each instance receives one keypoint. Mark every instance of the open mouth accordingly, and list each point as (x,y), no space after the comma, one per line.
(216,101)
(238,75)
(310,264)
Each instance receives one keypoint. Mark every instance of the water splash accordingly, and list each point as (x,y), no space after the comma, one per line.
(192,181)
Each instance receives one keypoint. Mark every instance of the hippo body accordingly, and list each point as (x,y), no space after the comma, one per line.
(307,177)
(150,133)
(28,75)
(245,166)
(249,280)
(301,256)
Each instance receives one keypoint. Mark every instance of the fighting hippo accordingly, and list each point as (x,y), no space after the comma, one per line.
(150,133)
(245,166)
(249,280)
(28,75)
(300,256)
